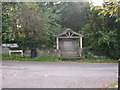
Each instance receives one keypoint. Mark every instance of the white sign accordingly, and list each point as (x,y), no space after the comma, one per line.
(16,51)
(10,45)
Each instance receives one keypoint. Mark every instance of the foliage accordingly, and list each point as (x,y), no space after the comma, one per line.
(74,15)
(110,8)
(113,84)
(101,35)
(50,10)
(111,12)
(7,29)
(28,43)
(30,19)
(86,53)
(22,22)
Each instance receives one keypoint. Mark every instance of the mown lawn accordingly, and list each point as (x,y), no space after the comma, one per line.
(55,59)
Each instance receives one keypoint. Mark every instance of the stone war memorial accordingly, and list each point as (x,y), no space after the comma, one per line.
(69,44)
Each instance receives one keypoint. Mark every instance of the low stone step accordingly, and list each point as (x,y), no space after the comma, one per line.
(72,58)
(69,54)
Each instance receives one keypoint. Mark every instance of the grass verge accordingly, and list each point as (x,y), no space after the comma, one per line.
(113,85)
(55,59)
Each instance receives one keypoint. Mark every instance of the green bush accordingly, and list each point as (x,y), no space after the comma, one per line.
(86,53)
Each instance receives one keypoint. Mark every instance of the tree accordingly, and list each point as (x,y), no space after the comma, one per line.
(101,34)
(52,14)
(7,30)
(29,17)
(25,22)
(74,15)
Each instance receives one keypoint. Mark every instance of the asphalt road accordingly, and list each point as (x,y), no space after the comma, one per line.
(57,75)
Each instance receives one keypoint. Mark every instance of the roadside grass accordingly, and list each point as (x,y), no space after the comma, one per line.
(55,59)
(113,85)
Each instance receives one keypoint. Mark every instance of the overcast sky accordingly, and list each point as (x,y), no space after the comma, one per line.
(97,2)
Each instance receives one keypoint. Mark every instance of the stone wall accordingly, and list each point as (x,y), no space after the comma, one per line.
(40,52)
(5,50)
(44,52)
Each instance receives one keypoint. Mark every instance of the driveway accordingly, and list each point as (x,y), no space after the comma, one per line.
(57,75)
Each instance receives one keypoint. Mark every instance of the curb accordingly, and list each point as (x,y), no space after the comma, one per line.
(60,62)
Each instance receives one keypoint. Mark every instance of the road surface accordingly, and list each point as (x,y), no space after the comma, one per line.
(57,75)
